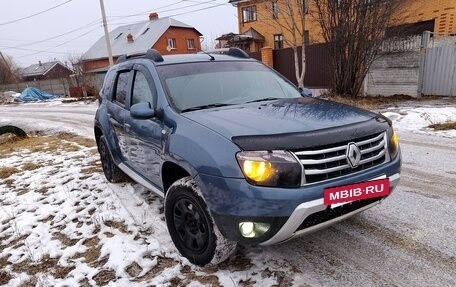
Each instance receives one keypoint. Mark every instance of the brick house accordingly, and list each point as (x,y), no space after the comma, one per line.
(166,35)
(45,71)
(414,17)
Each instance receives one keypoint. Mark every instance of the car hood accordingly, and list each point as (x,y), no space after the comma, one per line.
(279,117)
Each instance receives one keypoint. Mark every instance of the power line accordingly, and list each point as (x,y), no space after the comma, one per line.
(198,3)
(178,14)
(49,50)
(33,15)
(146,12)
(57,36)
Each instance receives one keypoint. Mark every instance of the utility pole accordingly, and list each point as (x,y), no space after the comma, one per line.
(108,41)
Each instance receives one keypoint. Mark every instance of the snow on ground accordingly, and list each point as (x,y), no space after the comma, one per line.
(418,120)
(63,224)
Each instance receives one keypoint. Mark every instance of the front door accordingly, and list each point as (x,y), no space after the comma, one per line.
(145,135)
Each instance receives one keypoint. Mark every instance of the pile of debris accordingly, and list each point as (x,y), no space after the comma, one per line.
(8,97)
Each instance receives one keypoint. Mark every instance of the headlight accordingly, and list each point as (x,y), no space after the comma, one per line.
(393,143)
(270,168)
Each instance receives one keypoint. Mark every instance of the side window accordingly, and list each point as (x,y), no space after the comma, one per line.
(142,92)
(121,88)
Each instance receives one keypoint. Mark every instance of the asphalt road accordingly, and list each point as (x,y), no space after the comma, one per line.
(409,240)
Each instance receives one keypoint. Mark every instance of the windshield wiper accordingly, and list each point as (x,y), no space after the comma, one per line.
(202,107)
(262,100)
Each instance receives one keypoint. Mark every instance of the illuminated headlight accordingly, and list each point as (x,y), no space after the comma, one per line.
(393,143)
(270,168)
(253,229)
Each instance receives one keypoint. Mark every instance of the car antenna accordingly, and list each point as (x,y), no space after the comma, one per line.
(210,56)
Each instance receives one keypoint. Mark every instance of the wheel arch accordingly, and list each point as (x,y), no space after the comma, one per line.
(172,172)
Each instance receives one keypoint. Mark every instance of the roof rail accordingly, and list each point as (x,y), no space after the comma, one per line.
(154,55)
(237,52)
(150,54)
(233,51)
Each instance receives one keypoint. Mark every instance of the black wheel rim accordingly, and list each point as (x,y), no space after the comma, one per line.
(104,156)
(191,224)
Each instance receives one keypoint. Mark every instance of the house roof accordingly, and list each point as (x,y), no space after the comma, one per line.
(145,35)
(41,69)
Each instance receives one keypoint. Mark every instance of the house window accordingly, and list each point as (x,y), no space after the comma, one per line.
(278,41)
(275,9)
(190,44)
(249,14)
(172,43)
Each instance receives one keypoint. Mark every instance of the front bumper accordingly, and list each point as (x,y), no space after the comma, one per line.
(233,200)
(291,228)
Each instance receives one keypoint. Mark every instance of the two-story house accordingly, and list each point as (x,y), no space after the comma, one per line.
(264,17)
(166,35)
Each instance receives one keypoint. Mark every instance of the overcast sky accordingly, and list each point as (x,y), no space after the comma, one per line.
(70,27)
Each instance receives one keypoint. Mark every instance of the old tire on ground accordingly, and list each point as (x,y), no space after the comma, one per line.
(13,130)
(111,171)
(191,226)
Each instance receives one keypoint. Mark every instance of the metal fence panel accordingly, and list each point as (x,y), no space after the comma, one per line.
(440,71)
(318,71)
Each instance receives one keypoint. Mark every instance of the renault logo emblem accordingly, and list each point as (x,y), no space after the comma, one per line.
(353,155)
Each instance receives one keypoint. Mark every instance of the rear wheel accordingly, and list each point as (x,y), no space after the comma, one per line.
(111,171)
(191,226)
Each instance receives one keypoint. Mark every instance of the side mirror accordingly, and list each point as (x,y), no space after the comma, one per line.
(305,92)
(142,111)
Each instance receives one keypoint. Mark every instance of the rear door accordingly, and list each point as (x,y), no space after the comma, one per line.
(117,109)
(145,135)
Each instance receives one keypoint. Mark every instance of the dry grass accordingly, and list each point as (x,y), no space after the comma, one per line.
(31,166)
(46,263)
(64,239)
(93,251)
(91,170)
(377,102)
(162,264)
(57,143)
(368,103)
(122,227)
(444,127)
(6,172)
(104,277)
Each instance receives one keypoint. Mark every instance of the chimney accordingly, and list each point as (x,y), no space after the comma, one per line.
(130,38)
(153,16)
(39,63)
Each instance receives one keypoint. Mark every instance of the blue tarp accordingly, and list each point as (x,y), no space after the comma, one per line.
(33,95)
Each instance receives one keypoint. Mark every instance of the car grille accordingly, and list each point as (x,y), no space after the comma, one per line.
(328,162)
(329,214)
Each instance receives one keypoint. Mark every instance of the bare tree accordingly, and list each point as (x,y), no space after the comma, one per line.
(354,31)
(290,17)
(8,70)
(86,82)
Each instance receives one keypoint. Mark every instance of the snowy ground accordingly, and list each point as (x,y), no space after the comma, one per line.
(63,224)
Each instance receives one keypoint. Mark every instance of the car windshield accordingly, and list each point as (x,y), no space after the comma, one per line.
(196,86)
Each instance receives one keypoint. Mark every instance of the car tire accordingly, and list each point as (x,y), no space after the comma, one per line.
(192,227)
(111,171)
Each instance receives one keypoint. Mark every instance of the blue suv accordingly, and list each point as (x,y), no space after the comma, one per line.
(239,154)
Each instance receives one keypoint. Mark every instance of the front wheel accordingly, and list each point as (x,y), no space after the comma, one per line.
(191,226)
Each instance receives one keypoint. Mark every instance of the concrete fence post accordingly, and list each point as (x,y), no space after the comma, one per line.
(425,38)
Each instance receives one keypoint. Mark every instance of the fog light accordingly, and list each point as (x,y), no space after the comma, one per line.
(253,229)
